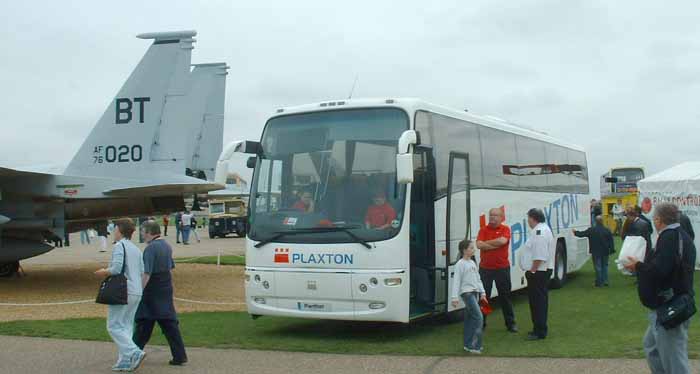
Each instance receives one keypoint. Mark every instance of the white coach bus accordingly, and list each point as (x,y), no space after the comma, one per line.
(319,167)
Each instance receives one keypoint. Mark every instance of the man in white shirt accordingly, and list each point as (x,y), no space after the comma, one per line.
(185,226)
(537,260)
(618,213)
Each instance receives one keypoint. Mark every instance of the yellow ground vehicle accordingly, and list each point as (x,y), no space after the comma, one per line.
(618,190)
(228,216)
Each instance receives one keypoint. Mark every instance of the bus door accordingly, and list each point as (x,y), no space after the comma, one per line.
(458,220)
(422,235)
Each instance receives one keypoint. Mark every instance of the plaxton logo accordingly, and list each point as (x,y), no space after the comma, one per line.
(282,257)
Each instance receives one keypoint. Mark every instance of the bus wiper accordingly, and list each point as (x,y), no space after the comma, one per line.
(276,236)
(345,229)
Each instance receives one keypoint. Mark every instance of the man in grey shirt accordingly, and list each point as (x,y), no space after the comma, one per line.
(157,303)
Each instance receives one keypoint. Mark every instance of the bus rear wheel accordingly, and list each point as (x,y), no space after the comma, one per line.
(559,267)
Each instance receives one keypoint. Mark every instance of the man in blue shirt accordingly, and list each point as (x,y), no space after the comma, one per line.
(157,303)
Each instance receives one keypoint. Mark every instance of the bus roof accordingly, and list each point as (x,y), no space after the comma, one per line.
(412,105)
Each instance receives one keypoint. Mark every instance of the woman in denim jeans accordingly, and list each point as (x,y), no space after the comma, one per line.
(467,286)
(120,318)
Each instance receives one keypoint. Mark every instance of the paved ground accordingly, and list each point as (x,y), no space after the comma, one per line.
(37,355)
(80,254)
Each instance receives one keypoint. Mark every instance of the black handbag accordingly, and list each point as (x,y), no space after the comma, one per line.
(680,307)
(113,289)
(676,311)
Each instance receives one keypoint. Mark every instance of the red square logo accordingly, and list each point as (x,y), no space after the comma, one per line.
(282,255)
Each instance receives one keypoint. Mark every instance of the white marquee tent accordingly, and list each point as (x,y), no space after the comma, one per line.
(679,185)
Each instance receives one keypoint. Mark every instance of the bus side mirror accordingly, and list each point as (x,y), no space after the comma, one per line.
(407,139)
(249,147)
(404,160)
(404,168)
(250,163)
(611,180)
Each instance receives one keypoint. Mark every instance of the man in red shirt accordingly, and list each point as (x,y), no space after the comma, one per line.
(379,215)
(305,203)
(493,241)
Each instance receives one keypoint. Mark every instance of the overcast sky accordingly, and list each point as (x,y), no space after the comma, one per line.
(620,78)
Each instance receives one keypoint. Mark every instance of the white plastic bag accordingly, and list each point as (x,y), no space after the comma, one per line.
(633,246)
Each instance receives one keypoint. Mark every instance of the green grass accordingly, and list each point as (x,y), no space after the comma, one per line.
(583,322)
(211,260)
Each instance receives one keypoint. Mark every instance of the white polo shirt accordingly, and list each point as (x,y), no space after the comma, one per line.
(539,247)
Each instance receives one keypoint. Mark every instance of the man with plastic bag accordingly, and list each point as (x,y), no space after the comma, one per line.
(638,226)
(666,287)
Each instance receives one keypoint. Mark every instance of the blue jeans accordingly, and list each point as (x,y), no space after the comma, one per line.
(666,350)
(120,325)
(185,234)
(600,264)
(473,321)
(84,237)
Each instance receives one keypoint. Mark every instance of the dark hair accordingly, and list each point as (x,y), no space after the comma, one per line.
(150,227)
(462,246)
(126,227)
(637,209)
(536,214)
(668,213)
(378,192)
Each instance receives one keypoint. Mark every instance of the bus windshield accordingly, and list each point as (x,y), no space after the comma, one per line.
(329,177)
(216,208)
(628,175)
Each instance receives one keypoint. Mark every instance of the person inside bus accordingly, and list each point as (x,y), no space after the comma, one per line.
(380,214)
(467,286)
(305,204)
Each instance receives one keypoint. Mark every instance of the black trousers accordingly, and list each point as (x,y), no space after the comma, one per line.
(538,295)
(503,285)
(165,230)
(171,330)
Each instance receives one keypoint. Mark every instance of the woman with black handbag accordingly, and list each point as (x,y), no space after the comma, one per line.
(126,267)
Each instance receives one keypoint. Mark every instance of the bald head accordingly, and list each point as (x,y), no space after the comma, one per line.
(495,217)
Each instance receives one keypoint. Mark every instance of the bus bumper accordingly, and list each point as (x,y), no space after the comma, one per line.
(356,296)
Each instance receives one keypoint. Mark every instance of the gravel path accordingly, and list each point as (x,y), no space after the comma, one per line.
(66,274)
(38,355)
(59,283)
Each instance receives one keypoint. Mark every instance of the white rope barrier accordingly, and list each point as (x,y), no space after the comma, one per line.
(93,300)
(50,304)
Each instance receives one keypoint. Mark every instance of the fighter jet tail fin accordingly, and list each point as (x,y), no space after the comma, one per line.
(205,118)
(140,131)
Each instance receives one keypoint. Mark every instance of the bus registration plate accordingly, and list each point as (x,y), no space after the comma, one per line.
(313,307)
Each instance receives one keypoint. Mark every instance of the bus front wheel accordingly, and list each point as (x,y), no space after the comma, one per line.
(559,267)
(8,269)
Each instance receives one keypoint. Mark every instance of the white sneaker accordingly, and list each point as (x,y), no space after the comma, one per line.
(473,351)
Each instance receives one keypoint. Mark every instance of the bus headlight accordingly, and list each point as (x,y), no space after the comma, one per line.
(266,284)
(363,287)
(377,305)
(257,277)
(247,277)
(392,281)
(373,281)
